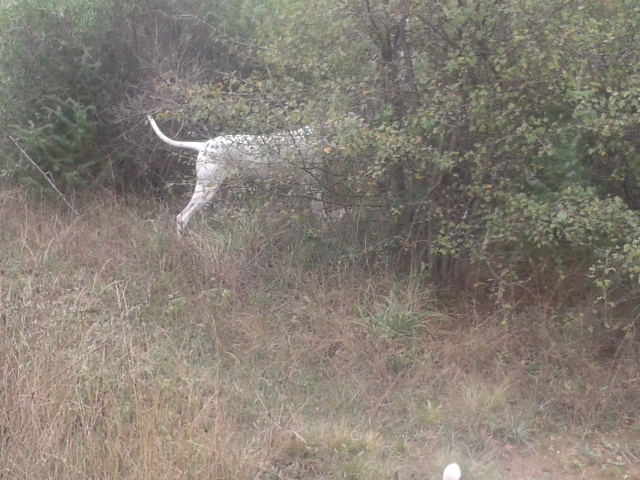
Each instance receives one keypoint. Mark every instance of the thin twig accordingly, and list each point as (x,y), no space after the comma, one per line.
(37,167)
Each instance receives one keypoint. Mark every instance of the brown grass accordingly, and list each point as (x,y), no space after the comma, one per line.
(255,348)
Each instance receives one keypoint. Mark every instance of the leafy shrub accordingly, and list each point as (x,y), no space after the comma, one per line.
(491,130)
(65,146)
(576,228)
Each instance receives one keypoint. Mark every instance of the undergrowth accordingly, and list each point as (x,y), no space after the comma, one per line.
(256,347)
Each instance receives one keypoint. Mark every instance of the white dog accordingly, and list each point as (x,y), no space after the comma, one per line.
(253,155)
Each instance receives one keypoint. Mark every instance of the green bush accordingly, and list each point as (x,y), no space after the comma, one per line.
(490,129)
(573,228)
(65,146)
(71,68)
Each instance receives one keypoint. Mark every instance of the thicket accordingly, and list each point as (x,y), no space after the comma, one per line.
(498,146)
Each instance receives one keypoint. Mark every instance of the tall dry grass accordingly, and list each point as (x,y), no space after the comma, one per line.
(256,348)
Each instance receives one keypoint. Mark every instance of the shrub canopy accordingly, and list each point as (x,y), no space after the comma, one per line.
(491,136)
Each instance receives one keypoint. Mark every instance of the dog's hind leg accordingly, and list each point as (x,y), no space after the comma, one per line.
(203,192)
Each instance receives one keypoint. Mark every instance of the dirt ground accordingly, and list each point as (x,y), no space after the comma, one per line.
(566,458)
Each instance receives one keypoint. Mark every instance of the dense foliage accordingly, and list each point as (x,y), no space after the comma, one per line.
(498,144)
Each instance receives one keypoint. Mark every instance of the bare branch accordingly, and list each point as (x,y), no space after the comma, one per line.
(37,167)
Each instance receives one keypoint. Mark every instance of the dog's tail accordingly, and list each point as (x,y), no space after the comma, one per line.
(197,146)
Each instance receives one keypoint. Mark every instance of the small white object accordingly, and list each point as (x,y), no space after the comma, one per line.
(452,472)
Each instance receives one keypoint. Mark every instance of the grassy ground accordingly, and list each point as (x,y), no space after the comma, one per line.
(256,348)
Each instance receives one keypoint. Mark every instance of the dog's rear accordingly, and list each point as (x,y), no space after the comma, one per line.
(238,154)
